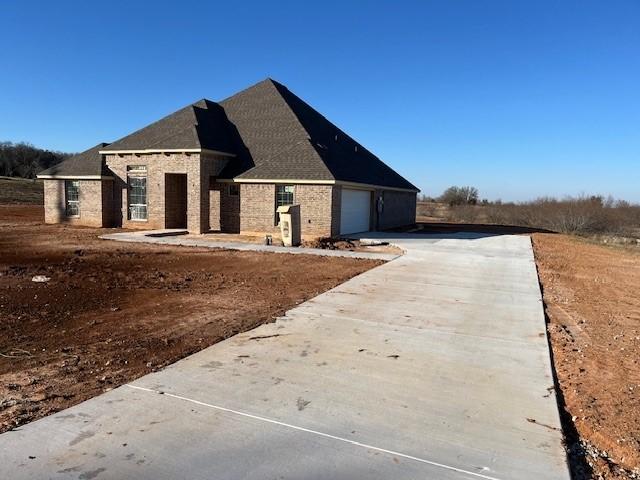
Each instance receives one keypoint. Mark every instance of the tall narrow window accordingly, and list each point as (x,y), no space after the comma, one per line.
(284,196)
(137,197)
(72,198)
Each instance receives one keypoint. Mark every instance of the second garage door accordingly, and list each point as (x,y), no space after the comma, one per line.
(355,211)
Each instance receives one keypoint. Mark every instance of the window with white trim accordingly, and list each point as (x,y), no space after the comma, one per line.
(137,192)
(72,198)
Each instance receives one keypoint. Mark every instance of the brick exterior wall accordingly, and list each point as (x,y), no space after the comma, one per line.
(315,209)
(319,209)
(224,208)
(198,169)
(208,204)
(214,207)
(257,207)
(258,204)
(399,209)
(93,194)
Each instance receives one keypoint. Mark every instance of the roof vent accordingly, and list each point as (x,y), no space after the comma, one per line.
(356,148)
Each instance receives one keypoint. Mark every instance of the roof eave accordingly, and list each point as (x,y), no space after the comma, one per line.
(379,187)
(165,150)
(299,181)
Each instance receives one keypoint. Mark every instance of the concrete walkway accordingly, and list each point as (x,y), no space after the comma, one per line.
(432,366)
(174,237)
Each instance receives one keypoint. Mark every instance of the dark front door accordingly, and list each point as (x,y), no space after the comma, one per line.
(175,200)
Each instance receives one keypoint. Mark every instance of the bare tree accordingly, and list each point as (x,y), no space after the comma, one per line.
(459,196)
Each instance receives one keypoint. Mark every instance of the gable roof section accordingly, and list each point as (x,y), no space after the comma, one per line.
(288,139)
(274,143)
(345,158)
(273,134)
(86,164)
(201,125)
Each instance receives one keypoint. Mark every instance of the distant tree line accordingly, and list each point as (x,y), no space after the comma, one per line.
(24,160)
(585,214)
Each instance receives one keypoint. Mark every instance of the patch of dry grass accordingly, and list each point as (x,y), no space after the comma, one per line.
(21,190)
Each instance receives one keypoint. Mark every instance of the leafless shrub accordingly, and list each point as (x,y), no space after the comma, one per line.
(499,214)
(582,215)
(577,215)
(464,214)
(426,209)
(433,210)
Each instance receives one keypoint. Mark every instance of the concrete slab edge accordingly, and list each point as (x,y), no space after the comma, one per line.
(557,391)
(146,237)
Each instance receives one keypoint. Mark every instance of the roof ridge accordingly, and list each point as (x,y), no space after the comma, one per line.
(308,117)
(189,109)
(298,133)
(198,125)
(205,101)
(333,125)
(300,126)
(277,86)
(290,110)
(265,80)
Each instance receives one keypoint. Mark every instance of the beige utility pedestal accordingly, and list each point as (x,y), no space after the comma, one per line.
(290,225)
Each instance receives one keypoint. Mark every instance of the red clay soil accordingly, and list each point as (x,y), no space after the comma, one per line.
(592,297)
(112,312)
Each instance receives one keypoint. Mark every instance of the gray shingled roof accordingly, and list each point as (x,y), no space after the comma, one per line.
(285,138)
(87,163)
(273,133)
(199,125)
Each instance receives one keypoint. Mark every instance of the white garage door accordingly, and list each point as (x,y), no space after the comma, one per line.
(355,211)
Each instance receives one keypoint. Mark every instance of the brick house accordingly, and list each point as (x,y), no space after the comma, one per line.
(226,167)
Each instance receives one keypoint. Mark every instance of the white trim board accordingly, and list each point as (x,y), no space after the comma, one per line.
(165,150)
(74,177)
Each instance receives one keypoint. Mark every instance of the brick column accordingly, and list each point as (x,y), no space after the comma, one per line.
(193,195)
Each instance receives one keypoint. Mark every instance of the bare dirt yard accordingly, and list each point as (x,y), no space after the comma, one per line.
(592,298)
(112,312)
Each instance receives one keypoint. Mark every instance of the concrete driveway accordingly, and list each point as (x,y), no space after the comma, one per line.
(434,365)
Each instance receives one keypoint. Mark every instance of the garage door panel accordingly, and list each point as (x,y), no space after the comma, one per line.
(355,211)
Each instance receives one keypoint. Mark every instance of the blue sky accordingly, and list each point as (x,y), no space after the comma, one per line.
(520,99)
